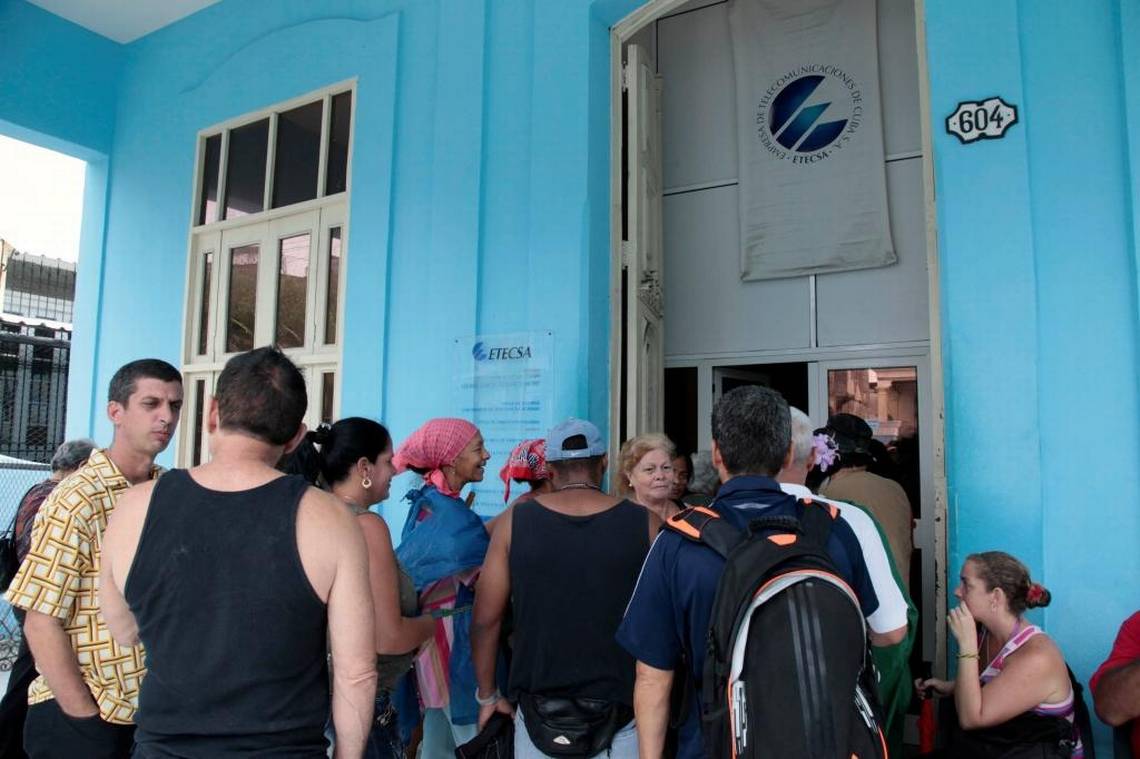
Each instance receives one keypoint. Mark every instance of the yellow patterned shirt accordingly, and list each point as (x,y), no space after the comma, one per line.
(59,577)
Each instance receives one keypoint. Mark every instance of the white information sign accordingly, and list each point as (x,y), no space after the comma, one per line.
(505,385)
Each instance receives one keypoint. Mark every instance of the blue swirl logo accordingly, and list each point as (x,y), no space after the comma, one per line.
(790,119)
(809,112)
(479,352)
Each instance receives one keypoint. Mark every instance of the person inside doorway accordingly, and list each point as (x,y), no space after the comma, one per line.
(895,607)
(849,480)
(682,475)
(646,475)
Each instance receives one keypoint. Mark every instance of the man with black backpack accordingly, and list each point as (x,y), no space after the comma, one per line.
(774,653)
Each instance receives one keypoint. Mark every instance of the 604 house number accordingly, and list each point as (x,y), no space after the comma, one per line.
(981,120)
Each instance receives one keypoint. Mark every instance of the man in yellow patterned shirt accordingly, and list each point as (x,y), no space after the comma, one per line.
(83,703)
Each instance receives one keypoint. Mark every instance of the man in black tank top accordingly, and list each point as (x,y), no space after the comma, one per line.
(568,561)
(238,580)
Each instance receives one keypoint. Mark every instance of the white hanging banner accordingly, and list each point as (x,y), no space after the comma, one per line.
(813,183)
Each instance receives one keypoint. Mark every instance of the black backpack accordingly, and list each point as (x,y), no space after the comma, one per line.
(788,670)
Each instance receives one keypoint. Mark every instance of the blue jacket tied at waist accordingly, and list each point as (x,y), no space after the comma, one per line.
(450,540)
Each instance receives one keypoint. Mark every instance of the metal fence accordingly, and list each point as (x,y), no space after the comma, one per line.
(15,479)
(33,390)
(33,404)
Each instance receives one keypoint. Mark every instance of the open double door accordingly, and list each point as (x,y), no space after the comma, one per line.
(888,386)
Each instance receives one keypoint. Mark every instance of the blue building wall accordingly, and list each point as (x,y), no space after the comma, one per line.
(480,184)
(1037,246)
(58,89)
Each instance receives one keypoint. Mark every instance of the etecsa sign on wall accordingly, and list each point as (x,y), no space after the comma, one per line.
(505,385)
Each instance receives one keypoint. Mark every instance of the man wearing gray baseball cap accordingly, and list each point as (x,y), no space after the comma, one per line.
(568,561)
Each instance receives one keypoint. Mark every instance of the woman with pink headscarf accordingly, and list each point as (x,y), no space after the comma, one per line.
(442,547)
(527,466)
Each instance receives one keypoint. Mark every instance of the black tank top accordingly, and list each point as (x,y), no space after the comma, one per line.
(235,635)
(571,579)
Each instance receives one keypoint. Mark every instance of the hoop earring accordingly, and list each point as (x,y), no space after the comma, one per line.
(366,482)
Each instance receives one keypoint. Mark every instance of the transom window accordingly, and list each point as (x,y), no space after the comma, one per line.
(267,251)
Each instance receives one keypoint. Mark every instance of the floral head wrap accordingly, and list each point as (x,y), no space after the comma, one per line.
(527,462)
(433,446)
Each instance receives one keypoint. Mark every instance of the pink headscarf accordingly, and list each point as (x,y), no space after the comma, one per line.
(527,462)
(434,445)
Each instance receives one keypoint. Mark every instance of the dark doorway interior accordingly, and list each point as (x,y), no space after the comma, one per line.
(681,408)
(790,380)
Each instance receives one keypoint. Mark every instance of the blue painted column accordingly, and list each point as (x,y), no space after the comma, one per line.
(1129,52)
(989,288)
(370,217)
(1087,372)
(1038,247)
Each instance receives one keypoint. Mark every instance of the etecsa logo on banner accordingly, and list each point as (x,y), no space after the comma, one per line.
(809,113)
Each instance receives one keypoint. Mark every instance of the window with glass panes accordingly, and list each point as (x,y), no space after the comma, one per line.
(267,250)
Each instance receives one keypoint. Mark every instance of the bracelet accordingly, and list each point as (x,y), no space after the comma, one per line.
(968,656)
(494,698)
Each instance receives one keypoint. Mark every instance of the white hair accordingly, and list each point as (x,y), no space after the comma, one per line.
(802,436)
(705,479)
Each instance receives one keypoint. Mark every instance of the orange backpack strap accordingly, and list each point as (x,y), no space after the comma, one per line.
(703,525)
(817,518)
(691,522)
(831,509)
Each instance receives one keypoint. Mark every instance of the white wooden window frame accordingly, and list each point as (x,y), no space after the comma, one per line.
(316,217)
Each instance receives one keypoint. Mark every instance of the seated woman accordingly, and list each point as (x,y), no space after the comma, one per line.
(1022,703)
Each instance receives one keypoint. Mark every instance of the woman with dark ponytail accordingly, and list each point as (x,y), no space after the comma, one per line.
(1014,695)
(354,461)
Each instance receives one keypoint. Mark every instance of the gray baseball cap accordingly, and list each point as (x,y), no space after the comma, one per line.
(563,431)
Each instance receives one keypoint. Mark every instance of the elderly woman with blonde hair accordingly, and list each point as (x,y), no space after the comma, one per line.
(645,473)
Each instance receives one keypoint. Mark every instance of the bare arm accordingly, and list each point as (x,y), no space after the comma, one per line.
(491,595)
(395,633)
(55,660)
(651,708)
(120,542)
(1028,678)
(116,613)
(352,638)
(1117,695)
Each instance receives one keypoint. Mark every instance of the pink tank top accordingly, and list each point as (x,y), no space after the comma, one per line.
(1063,709)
